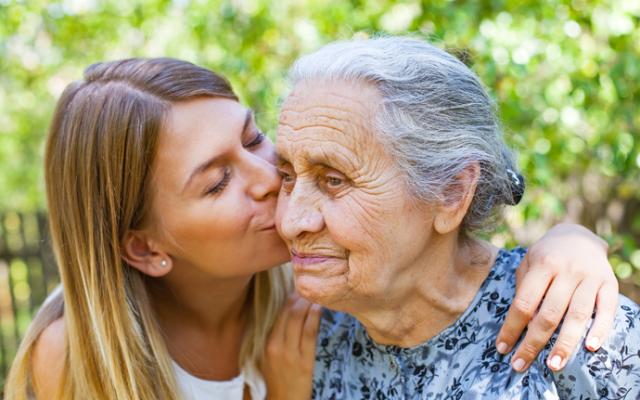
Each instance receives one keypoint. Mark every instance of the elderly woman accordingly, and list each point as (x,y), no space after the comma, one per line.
(392,160)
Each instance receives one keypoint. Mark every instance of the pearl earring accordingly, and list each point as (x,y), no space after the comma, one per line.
(163,263)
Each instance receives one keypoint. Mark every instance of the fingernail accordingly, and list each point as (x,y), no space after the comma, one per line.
(502,348)
(555,362)
(518,364)
(592,343)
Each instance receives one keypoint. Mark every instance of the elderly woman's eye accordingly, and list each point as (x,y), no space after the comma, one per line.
(288,180)
(333,182)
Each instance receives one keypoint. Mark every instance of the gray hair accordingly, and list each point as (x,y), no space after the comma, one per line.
(436,117)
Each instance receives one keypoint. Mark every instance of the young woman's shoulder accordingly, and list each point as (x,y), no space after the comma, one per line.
(49,354)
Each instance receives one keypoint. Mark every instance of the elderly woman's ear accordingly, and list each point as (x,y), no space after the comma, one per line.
(457,200)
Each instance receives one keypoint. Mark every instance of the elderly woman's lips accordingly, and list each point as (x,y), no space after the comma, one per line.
(308,259)
(317,264)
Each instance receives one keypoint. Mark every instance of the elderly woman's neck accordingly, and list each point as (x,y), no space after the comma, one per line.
(432,294)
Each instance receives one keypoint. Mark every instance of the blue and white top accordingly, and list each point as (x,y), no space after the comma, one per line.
(462,362)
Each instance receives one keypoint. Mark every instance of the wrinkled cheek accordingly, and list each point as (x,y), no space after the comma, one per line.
(358,225)
(366,279)
(367,263)
(280,207)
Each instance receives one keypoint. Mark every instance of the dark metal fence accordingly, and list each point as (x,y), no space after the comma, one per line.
(27,275)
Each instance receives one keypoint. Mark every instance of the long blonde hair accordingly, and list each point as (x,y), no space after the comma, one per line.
(99,156)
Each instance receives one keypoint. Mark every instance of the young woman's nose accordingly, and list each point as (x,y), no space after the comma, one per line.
(263,177)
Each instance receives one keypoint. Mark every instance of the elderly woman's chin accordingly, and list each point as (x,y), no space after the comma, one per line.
(326,285)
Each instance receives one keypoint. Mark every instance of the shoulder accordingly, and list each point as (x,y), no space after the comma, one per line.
(613,370)
(48,358)
(333,325)
(335,336)
(503,271)
(508,260)
(499,287)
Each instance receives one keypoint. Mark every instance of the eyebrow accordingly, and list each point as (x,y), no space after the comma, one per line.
(210,162)
(314,159)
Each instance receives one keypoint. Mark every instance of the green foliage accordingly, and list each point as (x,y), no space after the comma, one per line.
(565,73)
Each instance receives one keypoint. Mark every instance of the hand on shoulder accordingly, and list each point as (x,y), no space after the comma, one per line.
(290,352)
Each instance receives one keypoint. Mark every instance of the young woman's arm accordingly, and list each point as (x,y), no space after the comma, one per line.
(49,354)
(565,275)
(290,351)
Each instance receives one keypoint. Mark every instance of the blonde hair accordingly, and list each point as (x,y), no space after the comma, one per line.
(99,156)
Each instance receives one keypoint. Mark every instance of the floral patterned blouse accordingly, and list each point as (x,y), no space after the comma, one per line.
(462,361)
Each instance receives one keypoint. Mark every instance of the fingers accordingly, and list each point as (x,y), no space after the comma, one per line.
(277,336)
(545,322)
(295,324)
(523,308)
(574,324)
(310,333)
(606,305)
(522,271)
(288,362)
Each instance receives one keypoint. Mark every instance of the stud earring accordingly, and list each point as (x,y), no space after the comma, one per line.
(163,263)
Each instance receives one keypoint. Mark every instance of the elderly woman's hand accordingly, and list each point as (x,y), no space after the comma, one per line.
(290,351)
(566,271)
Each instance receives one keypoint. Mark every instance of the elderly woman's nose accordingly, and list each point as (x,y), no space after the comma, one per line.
(300,215)
(263,177)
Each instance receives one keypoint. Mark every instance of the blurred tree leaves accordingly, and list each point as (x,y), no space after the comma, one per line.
(565,74)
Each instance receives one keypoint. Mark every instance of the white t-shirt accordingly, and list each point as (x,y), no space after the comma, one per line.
(194,388)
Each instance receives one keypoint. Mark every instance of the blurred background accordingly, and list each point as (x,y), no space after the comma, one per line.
(565,73)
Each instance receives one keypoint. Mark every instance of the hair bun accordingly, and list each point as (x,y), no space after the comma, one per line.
(516,182)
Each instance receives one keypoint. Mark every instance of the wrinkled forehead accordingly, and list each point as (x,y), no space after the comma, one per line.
(333,114)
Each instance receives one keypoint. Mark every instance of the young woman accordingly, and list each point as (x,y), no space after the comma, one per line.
(161,193)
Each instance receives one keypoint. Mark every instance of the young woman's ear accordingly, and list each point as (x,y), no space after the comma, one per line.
(459,197)
(139,251)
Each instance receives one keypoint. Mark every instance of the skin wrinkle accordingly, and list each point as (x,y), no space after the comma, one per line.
(352,158)
(295,99)
(367,215)
(402,278)
(370,178)
(338,159)
(323,111)
(316,126)
(375,175)
(297,120)
(413,92)
(316,122)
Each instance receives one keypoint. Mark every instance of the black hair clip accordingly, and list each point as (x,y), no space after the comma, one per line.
(517,187)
